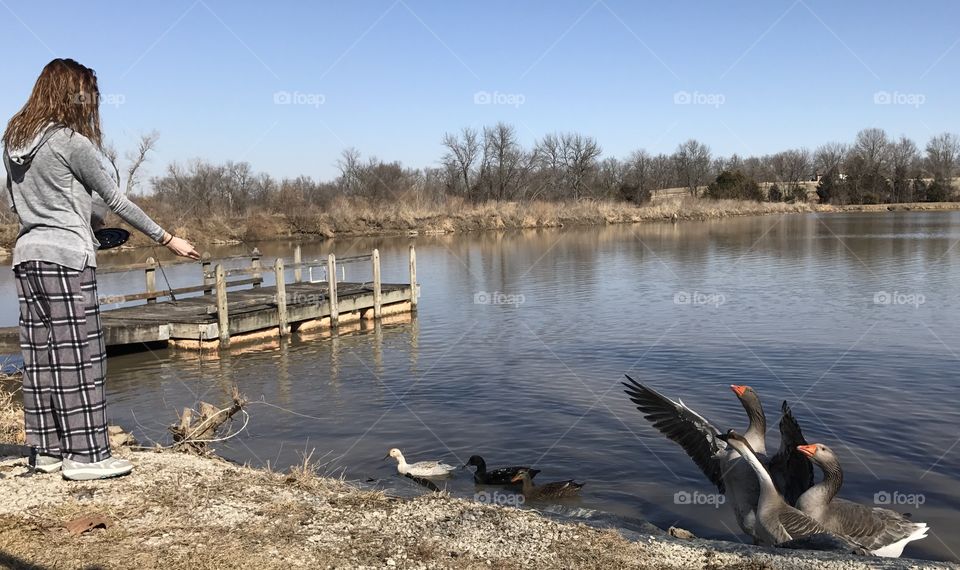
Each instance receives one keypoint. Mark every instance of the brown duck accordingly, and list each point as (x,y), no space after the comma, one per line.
(555,490)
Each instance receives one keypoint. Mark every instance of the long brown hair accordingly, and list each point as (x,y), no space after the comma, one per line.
(66,93)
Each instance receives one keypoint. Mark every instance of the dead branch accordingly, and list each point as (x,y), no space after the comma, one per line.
(197,428)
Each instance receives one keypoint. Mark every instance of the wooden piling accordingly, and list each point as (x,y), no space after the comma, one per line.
(332,288)
(297,260)
(150,273)
(377,294)
(205,269)
(255,264)
(414,291)
(281,297)
(223,319)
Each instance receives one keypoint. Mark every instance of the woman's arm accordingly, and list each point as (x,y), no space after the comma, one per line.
(84,162)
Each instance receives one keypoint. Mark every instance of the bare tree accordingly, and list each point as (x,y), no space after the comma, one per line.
(580,159)
(462,153)
(692,162)
(136,159)
(662,172)
(549,158)
(943,156)
(903,158)
(639,170)
(873,147)
(349,166)
(503,159)
(147,144)
(830,156)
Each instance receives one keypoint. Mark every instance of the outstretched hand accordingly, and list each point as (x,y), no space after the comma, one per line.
(183,248)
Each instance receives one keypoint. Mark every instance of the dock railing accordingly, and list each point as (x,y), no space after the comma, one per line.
(218,280)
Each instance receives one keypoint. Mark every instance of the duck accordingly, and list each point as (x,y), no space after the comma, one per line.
(777,522)
(555,490)
(721,464)
(425,469)
(882,531)
(500,476)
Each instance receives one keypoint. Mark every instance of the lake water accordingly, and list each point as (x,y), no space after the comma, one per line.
(521,340)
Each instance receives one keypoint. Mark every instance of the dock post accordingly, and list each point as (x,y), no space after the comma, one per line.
(223,319)
(332,289)
(377,296)
(255,264)
(205,267)
(151,276)
(281,296)
(414,289)
(297,259)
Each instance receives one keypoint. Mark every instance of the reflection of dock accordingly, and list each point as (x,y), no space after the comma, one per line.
(243,309)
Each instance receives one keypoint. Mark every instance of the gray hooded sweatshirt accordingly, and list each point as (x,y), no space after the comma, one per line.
(51,185)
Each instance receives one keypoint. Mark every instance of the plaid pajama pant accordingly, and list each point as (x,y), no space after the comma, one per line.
(64,360)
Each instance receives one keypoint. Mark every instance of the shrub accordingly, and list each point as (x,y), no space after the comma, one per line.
(734,186)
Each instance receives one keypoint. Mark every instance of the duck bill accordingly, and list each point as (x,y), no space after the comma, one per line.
(516,479)
(808,450)
(738,389)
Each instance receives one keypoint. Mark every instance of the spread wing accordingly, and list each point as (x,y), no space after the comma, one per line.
(791,470)
(696,435)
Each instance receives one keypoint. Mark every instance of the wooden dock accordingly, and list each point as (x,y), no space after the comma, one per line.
(228,310)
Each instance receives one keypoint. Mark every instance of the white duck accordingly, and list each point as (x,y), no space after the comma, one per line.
(420,468)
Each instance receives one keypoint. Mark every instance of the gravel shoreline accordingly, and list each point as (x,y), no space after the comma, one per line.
(184,511)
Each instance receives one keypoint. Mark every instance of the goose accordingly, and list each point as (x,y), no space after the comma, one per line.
(777,522)
(555,490)
(882,531)
(500,476)
(421,468)
(721,464)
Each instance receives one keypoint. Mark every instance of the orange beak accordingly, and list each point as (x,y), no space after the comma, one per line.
(738,390)
(808,450)
(516,478)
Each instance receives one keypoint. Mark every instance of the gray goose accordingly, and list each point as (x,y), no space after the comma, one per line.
(778,522)
(700,439)
(882,531)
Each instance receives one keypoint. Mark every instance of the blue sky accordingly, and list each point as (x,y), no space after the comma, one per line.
(389,77)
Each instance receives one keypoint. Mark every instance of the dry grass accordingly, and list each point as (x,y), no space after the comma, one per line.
(356,217)
(11,413)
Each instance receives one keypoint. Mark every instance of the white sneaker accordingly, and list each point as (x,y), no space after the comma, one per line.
(45,463)
(111,467)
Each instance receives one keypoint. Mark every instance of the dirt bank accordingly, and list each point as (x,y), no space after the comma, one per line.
(184,511)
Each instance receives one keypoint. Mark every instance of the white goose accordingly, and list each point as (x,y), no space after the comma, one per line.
(420,468)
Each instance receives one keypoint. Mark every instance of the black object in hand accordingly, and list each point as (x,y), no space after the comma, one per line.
(110,238)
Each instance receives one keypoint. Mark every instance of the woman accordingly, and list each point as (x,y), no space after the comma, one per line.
(52,157)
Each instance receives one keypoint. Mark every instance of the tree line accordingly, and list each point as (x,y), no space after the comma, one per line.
(490,164)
